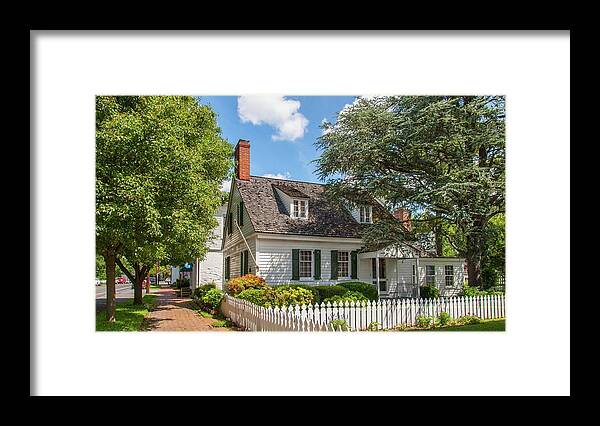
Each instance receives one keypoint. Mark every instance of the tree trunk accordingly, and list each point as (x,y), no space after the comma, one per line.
(137,285)
(473,256)
(439,246)
(109,258)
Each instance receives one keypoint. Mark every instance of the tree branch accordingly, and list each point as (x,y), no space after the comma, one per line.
(124,269)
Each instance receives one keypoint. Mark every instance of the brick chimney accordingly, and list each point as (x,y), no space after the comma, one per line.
(403,215)
(242,160)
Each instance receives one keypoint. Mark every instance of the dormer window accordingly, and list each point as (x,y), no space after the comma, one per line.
(365,214)
(299,209)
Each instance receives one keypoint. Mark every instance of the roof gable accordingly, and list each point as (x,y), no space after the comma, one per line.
(268,213)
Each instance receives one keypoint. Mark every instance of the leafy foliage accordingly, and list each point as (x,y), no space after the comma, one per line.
(350,296)
(340,325)
(424,321)
(160,161)
(443,319)
(442,156)
(474,291)
(245,282)
(328,291)
(259,296)
(374,326)
(212,299)
(368,290)
(289,295)
(468,319)
(199,292)
(429,292)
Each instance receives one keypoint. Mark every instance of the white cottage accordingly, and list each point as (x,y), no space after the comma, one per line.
(210,269)
(287,232)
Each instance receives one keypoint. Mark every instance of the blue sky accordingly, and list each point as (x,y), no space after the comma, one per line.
(282,130)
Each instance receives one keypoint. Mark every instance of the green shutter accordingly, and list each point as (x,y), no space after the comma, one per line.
(227,270)
(317,264)
(230,223)
(334,265)
(241,217)
(354,266)
(295,264)
(245,257)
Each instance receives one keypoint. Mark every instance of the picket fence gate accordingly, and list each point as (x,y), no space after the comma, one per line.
(388,313)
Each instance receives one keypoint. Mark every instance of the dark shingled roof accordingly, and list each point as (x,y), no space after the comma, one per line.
(290,190)
(268,214)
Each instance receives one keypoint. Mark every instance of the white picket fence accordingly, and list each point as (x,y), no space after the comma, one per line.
(389,313)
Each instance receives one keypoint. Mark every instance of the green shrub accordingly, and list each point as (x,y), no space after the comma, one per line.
(374,326)
(339,325)
(474,291)
(199,292)
(259,296)
(429,292)
(212,299)
(350,296)
(469,319)
(367,290)
(289,295)
(245,282)
(424,321)
(327,291)
(310,288)
(444,318)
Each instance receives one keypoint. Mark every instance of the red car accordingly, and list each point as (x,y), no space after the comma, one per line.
(121,280)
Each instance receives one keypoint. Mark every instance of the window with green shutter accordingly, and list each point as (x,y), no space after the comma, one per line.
(334,264)
(295,264)
(244,262)
(227,268)
(317,275)
(241,213)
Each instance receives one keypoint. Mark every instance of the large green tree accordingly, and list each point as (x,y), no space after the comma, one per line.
(160,161)
(440,156)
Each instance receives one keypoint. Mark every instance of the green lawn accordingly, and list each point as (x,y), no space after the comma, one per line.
(128,317)
(488,325)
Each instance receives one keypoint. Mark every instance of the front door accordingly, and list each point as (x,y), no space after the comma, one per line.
(382,279)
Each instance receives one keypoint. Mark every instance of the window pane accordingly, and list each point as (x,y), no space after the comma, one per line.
(305,263)
(449,273)
(343,264)
(430,274)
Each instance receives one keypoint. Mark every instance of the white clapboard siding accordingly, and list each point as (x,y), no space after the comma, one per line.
(274,258)
(388,313)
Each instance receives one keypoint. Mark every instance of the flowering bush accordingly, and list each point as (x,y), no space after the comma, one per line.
(245,282)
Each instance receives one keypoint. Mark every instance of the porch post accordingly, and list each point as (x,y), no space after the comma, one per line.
(417,277)
(377,271)
(397,276)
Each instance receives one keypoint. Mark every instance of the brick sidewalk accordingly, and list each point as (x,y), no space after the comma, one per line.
(174,314)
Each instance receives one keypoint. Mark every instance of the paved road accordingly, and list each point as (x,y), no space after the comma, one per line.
(124,292)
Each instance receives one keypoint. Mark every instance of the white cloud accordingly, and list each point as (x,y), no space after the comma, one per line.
(285,175)
(226,185)
(276,111)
